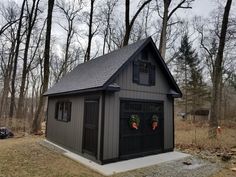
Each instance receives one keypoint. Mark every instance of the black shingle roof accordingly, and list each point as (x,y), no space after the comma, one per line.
(96,73)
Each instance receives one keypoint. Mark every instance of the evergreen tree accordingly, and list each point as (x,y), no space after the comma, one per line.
(189,76)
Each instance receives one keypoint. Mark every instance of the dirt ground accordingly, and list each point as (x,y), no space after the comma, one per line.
(24,157)
(192,138)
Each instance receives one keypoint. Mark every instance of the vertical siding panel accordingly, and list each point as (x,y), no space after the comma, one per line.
(111,135)
(106,128)
(109,125)
(117,125)
(67,134)
(114,122)
(168,134)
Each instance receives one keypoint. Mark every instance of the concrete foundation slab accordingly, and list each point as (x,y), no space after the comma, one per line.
(122,166)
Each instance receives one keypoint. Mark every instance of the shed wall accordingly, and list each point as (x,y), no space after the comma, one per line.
(69,134)
(134,91)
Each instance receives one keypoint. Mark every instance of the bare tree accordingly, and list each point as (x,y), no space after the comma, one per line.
(106,17)
(71,11)
(129,23)
(13,80)
(167,14)
(142,27)
(9,39)
(10,16)
(36,126)
(91,32)
(32,15)
(217,73)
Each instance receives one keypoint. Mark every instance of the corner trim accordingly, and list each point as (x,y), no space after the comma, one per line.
(46,129)
(102,127)
(173,119)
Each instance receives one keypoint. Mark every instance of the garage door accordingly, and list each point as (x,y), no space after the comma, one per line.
(144,140)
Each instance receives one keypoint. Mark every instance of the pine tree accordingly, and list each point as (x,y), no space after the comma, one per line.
(189,76)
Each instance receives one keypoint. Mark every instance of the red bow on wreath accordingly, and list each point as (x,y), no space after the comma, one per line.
(155,122)
(134,122)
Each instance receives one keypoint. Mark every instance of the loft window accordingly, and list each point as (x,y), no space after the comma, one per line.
(143,73)
(63,111)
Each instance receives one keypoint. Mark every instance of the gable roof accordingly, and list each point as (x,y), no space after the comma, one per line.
(98,73)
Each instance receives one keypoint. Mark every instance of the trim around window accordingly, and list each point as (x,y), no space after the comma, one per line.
(144,73)
(63,111)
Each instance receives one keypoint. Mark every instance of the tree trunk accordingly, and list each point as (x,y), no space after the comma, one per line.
(31,22)
(184,4)
(36,126)
(127,36)
(129,24)
(217,74)
(186,90)
(162,44)
(65,69)
(90,35)
(6,81)
(13,89)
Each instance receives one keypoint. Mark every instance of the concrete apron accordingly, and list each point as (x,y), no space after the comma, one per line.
(122,166)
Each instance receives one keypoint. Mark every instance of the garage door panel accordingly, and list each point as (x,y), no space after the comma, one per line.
(131,145)
(145,139)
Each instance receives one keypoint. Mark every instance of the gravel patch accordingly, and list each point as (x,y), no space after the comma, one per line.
(187,167)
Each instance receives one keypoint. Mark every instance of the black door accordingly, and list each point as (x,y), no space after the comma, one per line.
(90,132)
(144,140)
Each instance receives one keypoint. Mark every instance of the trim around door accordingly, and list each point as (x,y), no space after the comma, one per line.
(91,126)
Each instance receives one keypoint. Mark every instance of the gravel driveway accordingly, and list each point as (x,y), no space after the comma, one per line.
(187,167)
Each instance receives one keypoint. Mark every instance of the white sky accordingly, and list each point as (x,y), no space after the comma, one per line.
(200,7)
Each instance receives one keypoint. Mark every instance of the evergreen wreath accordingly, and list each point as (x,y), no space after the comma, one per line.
(134,121)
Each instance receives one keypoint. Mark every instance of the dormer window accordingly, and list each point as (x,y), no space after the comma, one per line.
(143,73)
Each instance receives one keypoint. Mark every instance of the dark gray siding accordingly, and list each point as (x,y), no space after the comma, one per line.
(134,91)
(69,134)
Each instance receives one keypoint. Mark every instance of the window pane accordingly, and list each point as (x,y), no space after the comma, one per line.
(65,113)
(143,67)
(144,78)
(152,75)
(136,72)
(144,73)
(60,111)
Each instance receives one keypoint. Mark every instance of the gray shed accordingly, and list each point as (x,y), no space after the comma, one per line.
(115,107)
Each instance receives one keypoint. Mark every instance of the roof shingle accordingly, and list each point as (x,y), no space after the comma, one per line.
(96,72)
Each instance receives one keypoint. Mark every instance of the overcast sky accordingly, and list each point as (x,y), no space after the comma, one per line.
(200,7)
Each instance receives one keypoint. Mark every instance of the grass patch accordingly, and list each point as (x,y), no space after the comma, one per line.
(24,157)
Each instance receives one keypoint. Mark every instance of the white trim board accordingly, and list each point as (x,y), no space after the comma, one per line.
(122,166)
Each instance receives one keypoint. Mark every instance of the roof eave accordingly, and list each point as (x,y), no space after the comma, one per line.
(109,88)
(74,91)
